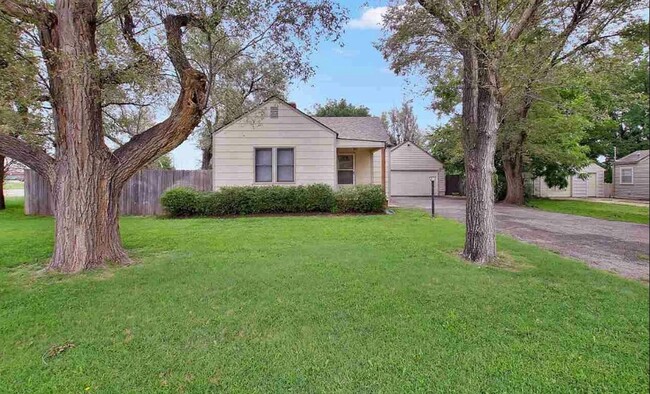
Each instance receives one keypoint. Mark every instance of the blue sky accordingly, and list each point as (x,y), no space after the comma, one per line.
(356,72)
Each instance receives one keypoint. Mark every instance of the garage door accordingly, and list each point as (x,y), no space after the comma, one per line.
(412,183)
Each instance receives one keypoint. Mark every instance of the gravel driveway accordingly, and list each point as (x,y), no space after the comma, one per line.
(618,247)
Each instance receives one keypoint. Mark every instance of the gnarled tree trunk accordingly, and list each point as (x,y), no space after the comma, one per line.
(480,125)
(86,178)
(206,158)
(513,169)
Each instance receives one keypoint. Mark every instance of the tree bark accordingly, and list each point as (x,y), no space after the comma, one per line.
(480,125)
(86,178)
(513,169)
(2,182)
(206,158)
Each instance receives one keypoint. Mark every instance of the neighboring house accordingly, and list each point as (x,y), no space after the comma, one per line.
(411,169)
(630,176)
(589,182)
(14,170)
(277,144)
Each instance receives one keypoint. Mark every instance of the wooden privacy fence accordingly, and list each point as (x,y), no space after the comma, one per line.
(140,195)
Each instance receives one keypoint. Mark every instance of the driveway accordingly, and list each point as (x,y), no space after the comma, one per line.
(618,247)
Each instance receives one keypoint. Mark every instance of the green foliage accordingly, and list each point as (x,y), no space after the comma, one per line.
(180,201)
(164,162)
(402,124)
(608,211)
(445,144)
(378,303)
(340,108)
(361,199)
(253,200)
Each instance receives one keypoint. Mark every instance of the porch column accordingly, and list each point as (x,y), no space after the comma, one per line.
(383,169)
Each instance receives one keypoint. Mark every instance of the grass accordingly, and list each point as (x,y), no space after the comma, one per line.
(313,304)
(600,210)
(14,185)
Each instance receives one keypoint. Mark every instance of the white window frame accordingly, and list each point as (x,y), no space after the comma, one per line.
(620,174)
(274,166)
(354,168)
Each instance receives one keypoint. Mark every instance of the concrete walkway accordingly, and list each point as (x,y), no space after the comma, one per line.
(618,247)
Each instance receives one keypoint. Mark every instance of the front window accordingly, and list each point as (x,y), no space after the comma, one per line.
(264,165)
(345,167)
(285,165)
(627,176)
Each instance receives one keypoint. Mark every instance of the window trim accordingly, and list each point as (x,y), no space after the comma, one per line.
(620,173)
(255,165)
(276,164)
(354,168)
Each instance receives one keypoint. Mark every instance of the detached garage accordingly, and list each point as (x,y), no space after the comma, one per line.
(410,170)
(593,184)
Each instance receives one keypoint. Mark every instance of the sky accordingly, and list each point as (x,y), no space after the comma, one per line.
(356,72)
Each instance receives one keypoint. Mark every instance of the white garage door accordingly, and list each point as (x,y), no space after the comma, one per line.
(412,183)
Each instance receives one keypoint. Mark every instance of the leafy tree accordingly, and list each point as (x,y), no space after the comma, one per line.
(19,92)
(120,53)
(340,108)
(445,141)
(472,39)
(402,124)
(618,84)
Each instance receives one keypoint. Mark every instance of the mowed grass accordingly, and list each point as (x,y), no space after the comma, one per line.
(313,304)
(13,185)
(600,210)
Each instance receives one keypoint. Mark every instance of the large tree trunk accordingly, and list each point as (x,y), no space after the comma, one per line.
(206,158)
(86,177)
(480,125)
(513,169)
(2,182)
(86,211)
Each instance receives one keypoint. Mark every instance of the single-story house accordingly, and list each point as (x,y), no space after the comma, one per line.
(411,170)
(630,176)
(277,144)
(589,182)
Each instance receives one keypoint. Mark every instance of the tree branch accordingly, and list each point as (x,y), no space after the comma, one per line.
(35,13)
(524,20)
(434,8)
(184,117)
(27,154)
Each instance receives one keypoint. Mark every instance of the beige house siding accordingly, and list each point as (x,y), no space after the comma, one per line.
(593,186)
(641,184)
(408,157)
(234,147)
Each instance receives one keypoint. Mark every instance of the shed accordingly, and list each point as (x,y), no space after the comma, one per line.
(589,182)
(631,175)
(411,168)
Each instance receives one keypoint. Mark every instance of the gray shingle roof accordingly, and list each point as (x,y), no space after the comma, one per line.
(368,128)
(634,157)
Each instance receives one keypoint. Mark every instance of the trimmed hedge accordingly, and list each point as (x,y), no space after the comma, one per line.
(249,200)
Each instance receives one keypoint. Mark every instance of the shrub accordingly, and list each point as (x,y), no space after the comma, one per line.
(250,200)
(180,201)
(361,199)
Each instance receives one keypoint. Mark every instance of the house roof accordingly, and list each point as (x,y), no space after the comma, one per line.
(633,157)
(368,128)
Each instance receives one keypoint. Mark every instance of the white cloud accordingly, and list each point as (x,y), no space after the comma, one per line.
(372,18)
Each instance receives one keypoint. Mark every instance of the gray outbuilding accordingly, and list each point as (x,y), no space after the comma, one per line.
(631,176)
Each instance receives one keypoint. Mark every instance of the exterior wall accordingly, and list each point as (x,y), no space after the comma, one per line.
(234,147)
(576,187)
(376,169)
(363,165)
(640,188)
(409,157)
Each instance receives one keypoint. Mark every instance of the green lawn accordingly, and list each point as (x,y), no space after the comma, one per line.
(13,185)
(313,304)
(600,210)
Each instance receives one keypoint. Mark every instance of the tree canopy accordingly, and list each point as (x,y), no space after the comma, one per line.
(340,108)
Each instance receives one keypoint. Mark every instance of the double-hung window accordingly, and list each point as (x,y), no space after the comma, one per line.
(284,166)
(345,169)
(627,176)
(274,164)
(263,165)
